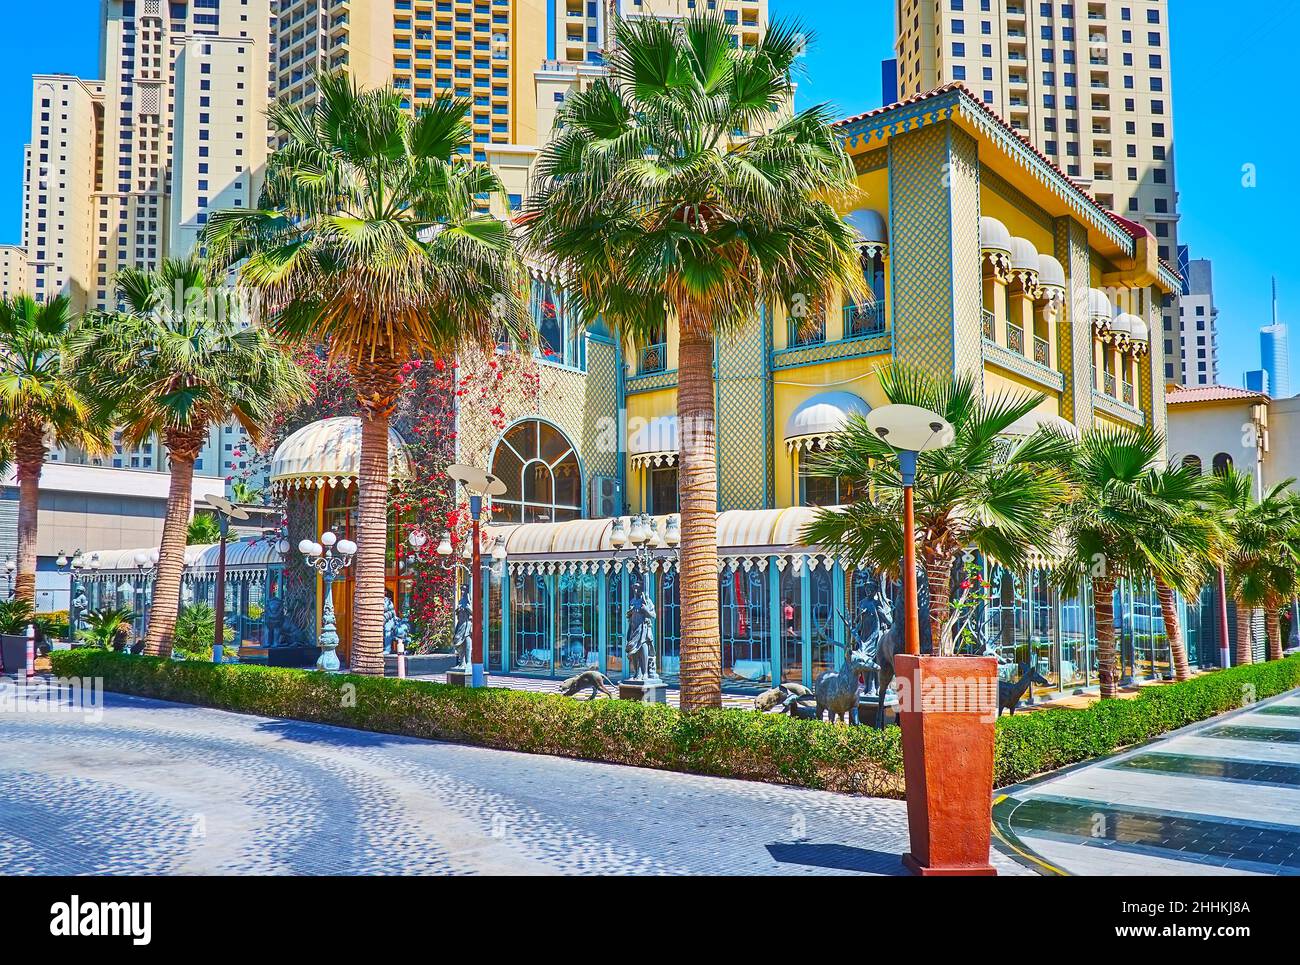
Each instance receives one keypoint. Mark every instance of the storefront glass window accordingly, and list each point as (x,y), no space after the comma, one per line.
(531,623)
(746,642)
(576,644)
(670,625)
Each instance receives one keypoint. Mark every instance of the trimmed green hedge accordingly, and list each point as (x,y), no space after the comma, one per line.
(1030,744)
(726,743)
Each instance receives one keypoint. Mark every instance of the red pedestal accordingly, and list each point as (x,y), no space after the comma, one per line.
(947,710)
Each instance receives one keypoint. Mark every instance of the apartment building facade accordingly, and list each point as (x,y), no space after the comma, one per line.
(13,270)
(1198,317)
(1088,82)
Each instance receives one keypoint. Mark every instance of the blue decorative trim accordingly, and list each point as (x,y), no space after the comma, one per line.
(1004,358)
(1116,408)
(846,348)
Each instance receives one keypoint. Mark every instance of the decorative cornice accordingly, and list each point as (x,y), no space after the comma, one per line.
(650,382)
(1116,408)
(1009,361)
(845,348)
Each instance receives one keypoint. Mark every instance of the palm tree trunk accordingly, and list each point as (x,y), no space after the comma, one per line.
(1245,653)
(367,655)
(182,450)
(1273,630)
(701,650)
(1103,615)
(938,574)
(29,454)
(1173,630)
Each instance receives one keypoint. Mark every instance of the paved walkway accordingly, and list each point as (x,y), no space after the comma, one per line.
(1219,798)
(153,787)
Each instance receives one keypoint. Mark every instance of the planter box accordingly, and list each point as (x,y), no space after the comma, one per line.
(420,664)
(291,656)
(13,652)
(947,710)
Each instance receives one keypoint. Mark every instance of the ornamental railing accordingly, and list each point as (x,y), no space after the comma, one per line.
(1042,354)
(864,321)
(1108,382)
(986,319)
(808,330)
(1128,393)
(654,358)
(1015,338)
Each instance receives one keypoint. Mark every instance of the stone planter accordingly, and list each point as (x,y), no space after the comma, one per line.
(947,711)
(420,664)
(13,652)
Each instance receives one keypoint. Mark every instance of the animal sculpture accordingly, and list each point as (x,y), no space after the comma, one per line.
(591,679)
(1010,692)
(836,692)
(777,696)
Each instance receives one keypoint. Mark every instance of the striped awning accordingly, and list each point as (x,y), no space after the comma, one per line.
(654,442)
(328,453)
(200,559)
(816,419)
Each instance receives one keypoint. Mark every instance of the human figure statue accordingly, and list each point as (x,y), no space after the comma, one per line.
(390,624)
(460,640)
(639,644)
(80,604)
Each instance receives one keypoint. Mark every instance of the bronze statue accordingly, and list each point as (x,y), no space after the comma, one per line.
(639,644)
(461,638)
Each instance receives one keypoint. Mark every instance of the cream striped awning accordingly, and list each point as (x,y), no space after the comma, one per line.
(328,453)
(654,442)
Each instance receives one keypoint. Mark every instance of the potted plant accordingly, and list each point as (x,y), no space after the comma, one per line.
(107,629)
(15,616)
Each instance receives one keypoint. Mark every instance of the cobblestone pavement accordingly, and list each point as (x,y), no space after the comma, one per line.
(1219,798)
(153,787)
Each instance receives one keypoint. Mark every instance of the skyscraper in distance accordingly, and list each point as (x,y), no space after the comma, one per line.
(1275,353)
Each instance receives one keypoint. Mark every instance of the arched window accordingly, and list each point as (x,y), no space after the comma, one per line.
(1194,463)
(1222,463)
(541,473)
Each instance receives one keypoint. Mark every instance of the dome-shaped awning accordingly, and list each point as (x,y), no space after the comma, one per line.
(1123,324)
(815,420)
(1099,307)
(1141,330)
(1050,272)
(870,226)
(994,235)
(1030,423)
(1024,256)
(201,559)
(654,442)
(328,453)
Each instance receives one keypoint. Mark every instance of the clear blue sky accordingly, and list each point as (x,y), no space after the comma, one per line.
(1231,70)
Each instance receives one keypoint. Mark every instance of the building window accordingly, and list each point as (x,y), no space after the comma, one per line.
(661,490)
(560,338)
(541,472)
(1222,463)
(822,490)
(1193,463)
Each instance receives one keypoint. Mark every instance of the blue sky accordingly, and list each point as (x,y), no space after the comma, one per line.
(1228,89)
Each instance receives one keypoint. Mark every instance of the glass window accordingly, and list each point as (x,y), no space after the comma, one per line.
(745,619)
(541,473)
(662,490)
(577,644)
(560,338)
(822,490)
(530,621)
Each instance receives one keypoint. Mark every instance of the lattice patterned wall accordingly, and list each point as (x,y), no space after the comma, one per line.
(934,227)
(299,580)
(743,419)
(1074,329)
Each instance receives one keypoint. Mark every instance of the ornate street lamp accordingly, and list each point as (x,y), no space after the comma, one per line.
(146,564)
(329,557)
(477,484)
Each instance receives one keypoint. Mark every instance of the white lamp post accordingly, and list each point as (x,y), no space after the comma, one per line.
(329,557)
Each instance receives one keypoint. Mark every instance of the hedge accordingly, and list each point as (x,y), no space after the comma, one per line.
(725,743)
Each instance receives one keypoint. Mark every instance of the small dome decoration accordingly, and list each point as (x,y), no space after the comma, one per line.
(1122,324)
(816,419)
(1024,256)
(994,235)
(1100,309)
(328,453)
(1141,333)
(873,233)
(1050,272)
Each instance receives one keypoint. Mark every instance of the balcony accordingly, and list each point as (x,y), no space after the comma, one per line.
(654,358)
(1015,338)
(1128,393)
(986,318)
(1108,385)
(864,321)
(1042,352)
(809,330)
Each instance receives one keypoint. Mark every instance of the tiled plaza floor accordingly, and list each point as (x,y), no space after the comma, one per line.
(153,787)
(1220,798)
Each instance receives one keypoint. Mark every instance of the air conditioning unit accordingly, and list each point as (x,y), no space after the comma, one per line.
(606,498)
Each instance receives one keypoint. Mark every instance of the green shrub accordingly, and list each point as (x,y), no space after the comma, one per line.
(196,626)
(1030,744)
(727,743)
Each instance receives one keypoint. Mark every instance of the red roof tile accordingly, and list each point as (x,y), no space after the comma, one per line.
(1212,393)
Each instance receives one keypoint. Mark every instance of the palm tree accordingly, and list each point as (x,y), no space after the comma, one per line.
(986,491)
(1263,552)
(178,361)
(1189,540)
(203,530)
(368,238)
(1124,519)
(40,403)
(658,206)
(244,494)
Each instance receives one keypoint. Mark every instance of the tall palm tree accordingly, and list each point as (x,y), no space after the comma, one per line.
(665,198)
(179,360)
(244,494)
(1263,553)
(40,403)
(1190,541)
(1123,519)
(368,238)
(986,491)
